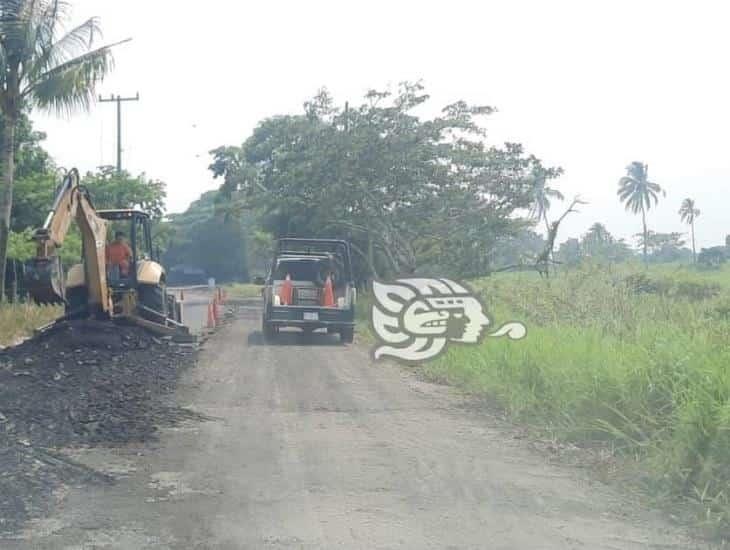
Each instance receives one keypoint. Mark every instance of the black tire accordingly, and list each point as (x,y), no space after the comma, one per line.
(152,297)
(270,331)
(347,335)
(77,299)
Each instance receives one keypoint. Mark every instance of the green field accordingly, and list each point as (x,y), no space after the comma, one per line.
(242,290)
(630,359)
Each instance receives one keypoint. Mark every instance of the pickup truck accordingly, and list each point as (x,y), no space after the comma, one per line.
(310,286)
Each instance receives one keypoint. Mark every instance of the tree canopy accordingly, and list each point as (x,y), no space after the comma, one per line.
(110,189)
(206,237)
(34,194)
(43,65)
(410,193)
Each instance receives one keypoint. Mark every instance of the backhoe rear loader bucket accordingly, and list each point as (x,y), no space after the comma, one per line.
(44,280)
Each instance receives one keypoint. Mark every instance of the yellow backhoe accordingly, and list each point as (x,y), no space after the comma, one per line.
(95,288)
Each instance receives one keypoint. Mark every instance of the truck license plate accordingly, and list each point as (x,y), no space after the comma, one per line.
(311,316)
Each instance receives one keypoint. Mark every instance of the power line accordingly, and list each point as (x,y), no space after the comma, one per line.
(119,100)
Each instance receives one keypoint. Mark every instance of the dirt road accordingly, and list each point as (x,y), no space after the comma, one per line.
(310,445)
(195,301)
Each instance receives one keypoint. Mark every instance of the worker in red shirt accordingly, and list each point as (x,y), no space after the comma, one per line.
(119,254)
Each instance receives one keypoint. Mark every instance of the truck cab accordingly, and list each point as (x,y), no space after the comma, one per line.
(310,286)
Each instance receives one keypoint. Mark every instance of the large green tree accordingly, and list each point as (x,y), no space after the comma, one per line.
(409,193)
(108,189)
(41,65)
(638,195)
(111,189)
(689,213)
(36,177)
(196,237)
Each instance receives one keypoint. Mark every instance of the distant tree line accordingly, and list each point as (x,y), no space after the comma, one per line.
(203,237)
(412,194)
(207,240)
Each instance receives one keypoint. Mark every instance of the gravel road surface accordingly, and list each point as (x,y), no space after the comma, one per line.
(195,306)
(311,445)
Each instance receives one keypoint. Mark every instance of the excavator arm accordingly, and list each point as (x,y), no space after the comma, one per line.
(44,273)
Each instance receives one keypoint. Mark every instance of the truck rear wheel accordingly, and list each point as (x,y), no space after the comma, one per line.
(270,331)
(347,335)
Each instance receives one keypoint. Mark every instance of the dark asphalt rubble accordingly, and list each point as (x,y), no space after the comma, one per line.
(85,383)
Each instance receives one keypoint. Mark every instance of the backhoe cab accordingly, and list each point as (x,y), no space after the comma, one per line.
(144,274)
(99,286)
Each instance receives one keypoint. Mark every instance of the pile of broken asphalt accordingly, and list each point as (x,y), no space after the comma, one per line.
(83,383)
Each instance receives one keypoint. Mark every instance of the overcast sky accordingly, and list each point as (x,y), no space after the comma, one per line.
(589,86)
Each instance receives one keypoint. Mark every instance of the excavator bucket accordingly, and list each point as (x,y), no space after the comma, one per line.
(44,280)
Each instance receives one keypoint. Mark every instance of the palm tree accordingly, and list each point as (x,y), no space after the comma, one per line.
(541,196)
(689,212)
(599,234)
(638,193)
(41,65)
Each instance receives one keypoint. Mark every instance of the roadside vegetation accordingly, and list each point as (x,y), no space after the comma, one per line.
(629,359)
(18,321)
(242,290)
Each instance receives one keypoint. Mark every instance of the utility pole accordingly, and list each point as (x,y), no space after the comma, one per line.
(119,100)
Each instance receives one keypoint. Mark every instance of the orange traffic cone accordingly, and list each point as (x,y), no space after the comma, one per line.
(211,316)
(218,310)
(328,294)
(285,291)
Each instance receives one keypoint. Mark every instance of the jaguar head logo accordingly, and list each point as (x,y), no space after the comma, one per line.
(415,319)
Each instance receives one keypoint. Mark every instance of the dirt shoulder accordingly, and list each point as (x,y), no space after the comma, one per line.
(85,384)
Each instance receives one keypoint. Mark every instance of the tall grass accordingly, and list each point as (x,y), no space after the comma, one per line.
(18,321)
(638,359)
(243,290)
